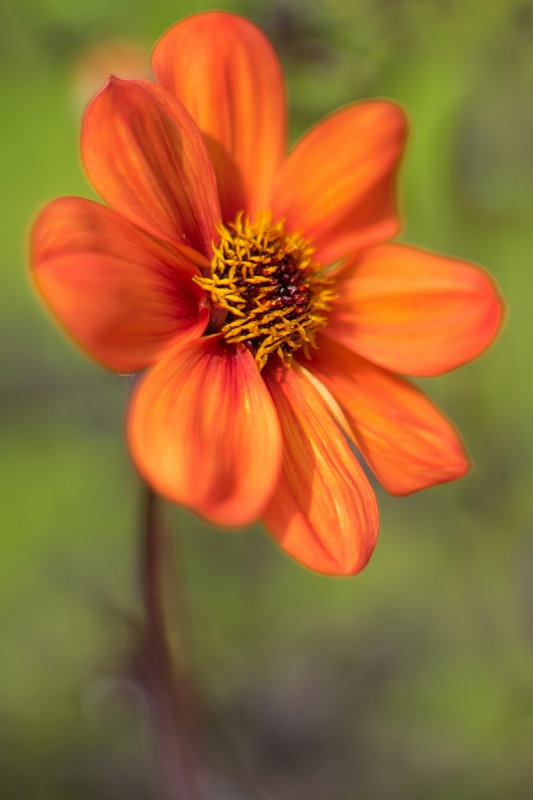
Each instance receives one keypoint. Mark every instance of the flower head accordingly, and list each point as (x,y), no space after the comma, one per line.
(261,292)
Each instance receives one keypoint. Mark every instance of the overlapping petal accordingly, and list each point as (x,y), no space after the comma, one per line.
(323,511)
(204,432)
(121,293)
(337,185)
(408,443)
(413,311)
(147,159)
(225,71)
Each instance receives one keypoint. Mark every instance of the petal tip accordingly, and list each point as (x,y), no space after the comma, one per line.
(334,564)
(454,471)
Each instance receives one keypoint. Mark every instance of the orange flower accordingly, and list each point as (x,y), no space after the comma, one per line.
(258,289)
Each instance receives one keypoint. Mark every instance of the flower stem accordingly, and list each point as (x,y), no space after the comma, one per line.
(169,692)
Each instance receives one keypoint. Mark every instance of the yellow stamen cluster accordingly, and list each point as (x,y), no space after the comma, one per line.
(269,292)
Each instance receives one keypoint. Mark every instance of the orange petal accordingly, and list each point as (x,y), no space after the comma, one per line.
(413,311)
(406,441)
(225,72)
(146,158)
(122,294)
(337,186)
(204,432)
(323,511)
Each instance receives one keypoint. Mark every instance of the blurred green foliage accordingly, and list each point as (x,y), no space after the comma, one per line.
(413,680)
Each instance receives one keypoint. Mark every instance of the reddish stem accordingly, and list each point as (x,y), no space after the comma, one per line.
(169,691)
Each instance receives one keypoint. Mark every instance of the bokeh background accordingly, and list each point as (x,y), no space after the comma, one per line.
(412,680)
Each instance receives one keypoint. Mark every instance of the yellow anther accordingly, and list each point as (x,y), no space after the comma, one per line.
(274,295)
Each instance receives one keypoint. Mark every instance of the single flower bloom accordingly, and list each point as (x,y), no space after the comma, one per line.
(260,292)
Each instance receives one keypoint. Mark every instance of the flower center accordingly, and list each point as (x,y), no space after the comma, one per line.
(271,294)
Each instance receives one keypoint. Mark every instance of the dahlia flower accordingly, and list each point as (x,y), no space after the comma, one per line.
(260,293)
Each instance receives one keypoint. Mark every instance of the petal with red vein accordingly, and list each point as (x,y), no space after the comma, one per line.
(323,511)
(337,185)
(204,432)
(413,311)
(121,293)
(225,72)
(146,158)
(408,443)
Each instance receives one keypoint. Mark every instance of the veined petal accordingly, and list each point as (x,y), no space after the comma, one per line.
(413,311)
(226,73)
(406,441)
(146,158)
(336,187)
(121,293)
(204,432)
(323,511)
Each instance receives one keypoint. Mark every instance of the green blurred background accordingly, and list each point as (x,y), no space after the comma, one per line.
(412,680)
